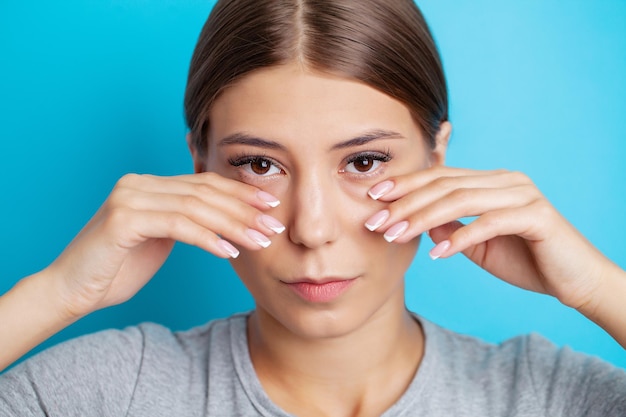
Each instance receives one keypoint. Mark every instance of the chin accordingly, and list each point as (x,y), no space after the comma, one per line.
(330,320)
(318,324)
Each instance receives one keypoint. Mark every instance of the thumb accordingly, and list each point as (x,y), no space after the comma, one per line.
(443,232)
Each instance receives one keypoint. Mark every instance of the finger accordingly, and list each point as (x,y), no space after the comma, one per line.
(204,184)
(222,214)
(443,232)
(457,204)
(494,242)
(132,228)
(444,180)
(525,222)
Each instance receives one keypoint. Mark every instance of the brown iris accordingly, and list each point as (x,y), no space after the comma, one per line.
(363,164)
(260,166)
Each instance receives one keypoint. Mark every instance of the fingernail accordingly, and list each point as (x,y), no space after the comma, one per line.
(395,231)
(228,248)
(259,238)
(268,199)
(439,249)
(381,189)
(377,220)
(272,223)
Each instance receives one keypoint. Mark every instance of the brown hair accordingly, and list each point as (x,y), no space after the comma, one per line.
(385,44)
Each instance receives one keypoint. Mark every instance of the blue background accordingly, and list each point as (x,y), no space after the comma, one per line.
(91,90)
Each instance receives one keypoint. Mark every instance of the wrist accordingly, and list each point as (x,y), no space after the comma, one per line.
(30,313)
(43,290)
(607,307)
(56,297)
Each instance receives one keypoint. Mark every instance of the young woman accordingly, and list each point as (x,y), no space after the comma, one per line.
(318,131)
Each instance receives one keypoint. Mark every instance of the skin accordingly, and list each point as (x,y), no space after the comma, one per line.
(306,355)
(324,205)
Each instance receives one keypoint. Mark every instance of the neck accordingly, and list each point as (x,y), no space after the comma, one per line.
(372,364)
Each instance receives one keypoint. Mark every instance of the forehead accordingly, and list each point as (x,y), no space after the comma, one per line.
(290,101)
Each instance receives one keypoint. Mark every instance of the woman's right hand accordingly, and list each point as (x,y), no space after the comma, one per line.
(132,234)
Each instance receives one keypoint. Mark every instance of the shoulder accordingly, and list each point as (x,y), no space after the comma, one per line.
(527,371)
(112,371)
(573,381)
(73,376)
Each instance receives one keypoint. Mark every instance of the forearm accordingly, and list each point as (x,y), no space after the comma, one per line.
(608,307)
(29,314)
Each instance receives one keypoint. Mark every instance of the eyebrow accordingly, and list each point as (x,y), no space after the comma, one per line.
(368,137)
(245,139)
(241,138)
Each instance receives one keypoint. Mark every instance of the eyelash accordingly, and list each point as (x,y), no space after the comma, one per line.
(376,156)
(245,159)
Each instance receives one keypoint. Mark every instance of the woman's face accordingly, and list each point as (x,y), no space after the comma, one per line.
(324,142)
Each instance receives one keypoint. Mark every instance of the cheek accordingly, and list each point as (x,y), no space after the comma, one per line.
(358,206)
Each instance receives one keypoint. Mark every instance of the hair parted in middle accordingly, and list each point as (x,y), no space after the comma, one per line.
(385,44)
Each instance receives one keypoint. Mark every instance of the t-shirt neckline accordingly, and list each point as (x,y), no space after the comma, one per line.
(265,406)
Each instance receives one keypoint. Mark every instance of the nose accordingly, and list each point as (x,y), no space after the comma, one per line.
(314,221)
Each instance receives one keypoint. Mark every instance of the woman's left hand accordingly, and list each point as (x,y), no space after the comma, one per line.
(517,236)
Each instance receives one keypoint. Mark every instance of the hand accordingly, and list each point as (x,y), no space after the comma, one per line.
(132,234)
(517,236)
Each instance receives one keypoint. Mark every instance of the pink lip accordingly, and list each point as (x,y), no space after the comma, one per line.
(320,291)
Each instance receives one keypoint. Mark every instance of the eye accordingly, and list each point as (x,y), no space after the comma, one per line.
(257,166)
(365,163)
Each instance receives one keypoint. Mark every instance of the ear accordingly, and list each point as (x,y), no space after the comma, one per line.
(438,155)
(198,162)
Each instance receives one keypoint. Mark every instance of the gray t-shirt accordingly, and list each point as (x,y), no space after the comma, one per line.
(150,371)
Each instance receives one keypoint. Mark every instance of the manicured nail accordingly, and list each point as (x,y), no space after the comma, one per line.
(377,220)
(396,231)
(439,249)
(272,223)
(268,199)
(381,189)
(229,249)
(259,238)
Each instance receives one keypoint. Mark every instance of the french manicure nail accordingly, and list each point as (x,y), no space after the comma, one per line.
(439,249)
(381,189)
(272,223)
(228,248)
(259,238)
(268,199)
(377,220)
(396,231)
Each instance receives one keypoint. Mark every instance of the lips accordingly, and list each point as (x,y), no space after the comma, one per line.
(320,290)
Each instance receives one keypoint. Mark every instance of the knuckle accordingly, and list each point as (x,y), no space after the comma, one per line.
(530,191)
(191,203)
(174,221)
(209,178)
(461,196)
(204,189)
(519,177)
(118,217)
(446,183)
(543,208)
(115,199)
(128,180)
(490,221)
(121,197)
(210,175)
